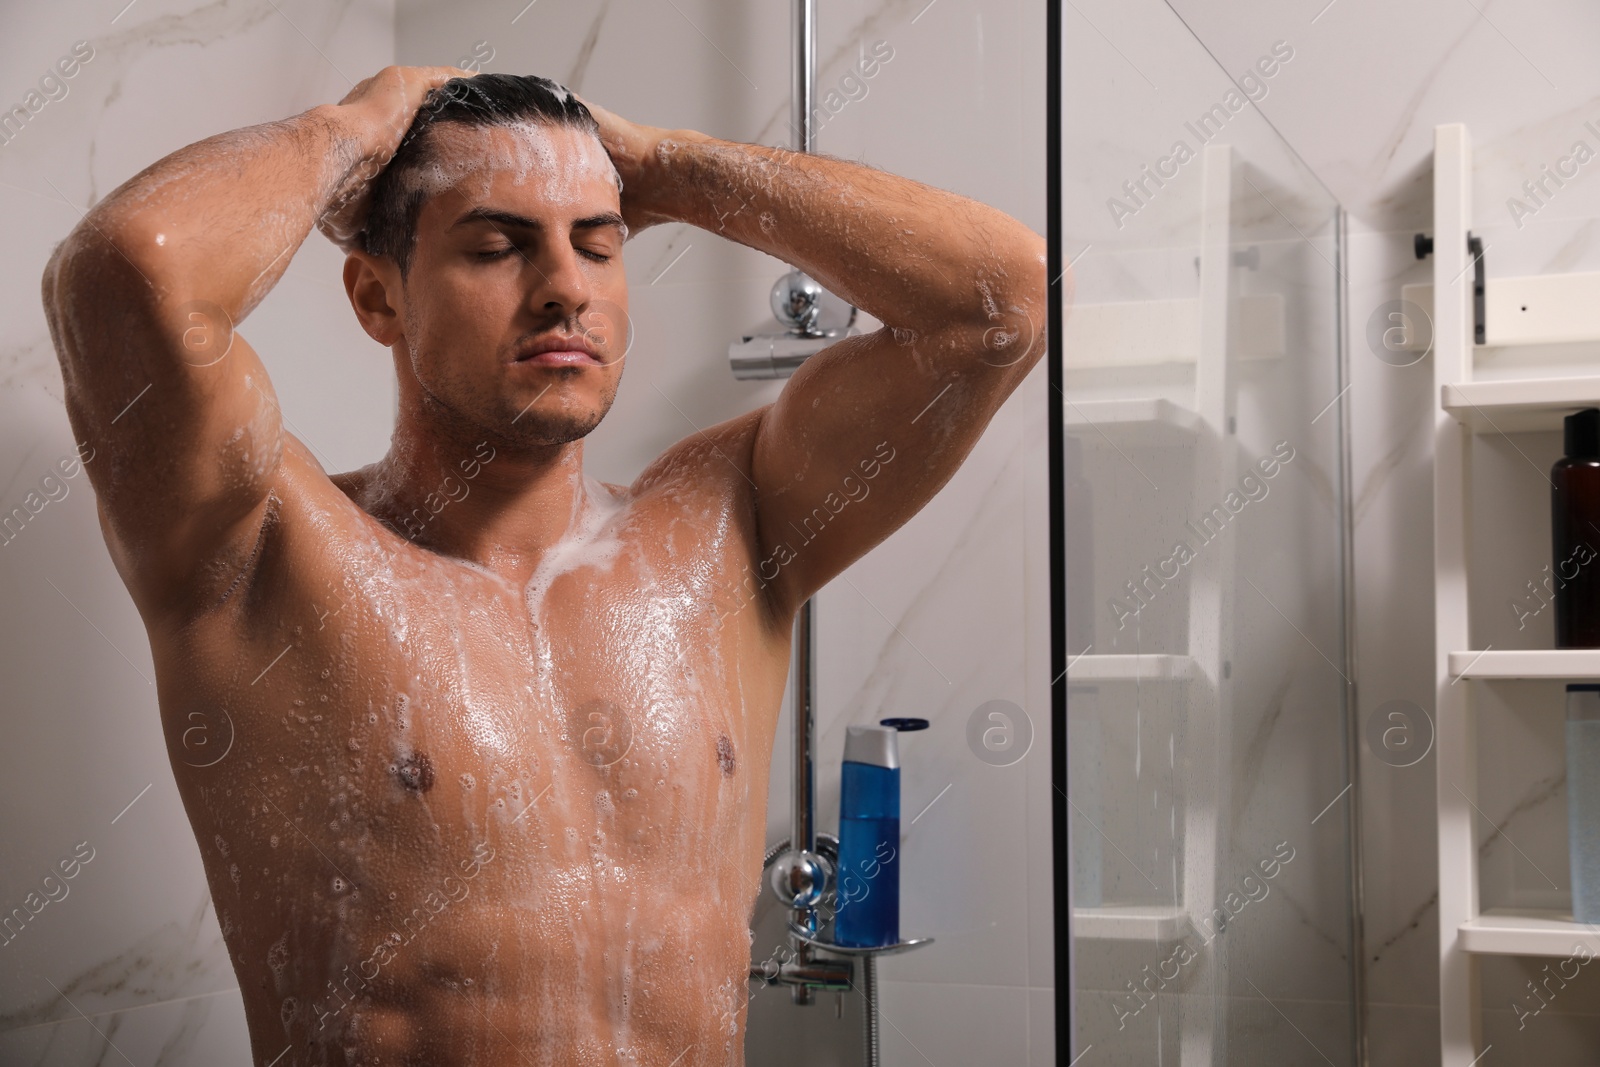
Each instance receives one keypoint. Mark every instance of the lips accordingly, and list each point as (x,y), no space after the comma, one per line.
(558,352)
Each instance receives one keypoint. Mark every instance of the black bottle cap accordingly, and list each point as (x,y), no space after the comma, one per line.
(904,724)
(1582,433)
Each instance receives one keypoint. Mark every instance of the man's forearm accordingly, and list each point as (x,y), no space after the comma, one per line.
(220,219)
(915,257)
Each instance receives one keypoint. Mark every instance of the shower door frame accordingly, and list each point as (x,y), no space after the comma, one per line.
(1065,976)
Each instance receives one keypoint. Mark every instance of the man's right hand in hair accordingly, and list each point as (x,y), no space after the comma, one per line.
(376,113)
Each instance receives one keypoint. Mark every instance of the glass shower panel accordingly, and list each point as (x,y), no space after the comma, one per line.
(1214,919)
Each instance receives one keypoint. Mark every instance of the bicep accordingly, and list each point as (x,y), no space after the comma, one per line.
(176,406)
(865,433)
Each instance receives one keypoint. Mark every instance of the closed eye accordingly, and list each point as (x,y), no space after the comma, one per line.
(501,253)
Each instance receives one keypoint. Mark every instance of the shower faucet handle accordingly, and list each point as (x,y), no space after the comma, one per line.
(797,303)
(799,879)
(806,309)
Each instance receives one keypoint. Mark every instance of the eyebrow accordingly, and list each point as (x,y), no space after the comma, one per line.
(512,219)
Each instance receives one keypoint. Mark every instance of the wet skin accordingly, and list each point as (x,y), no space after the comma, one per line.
(475,747)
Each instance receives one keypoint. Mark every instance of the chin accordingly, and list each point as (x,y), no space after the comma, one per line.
(554,428)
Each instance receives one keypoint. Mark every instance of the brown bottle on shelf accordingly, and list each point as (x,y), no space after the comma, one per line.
(1575,532)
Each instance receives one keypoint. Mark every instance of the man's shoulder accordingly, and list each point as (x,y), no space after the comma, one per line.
(716,458)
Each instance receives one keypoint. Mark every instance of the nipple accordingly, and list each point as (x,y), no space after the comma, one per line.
(416,773)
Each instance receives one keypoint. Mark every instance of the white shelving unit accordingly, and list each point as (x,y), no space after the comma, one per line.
(1573,664)
(1131,922)
(1175,331)
(1156,667)
(1136,421)
(1531,932)
(1521,312)
(1518,406)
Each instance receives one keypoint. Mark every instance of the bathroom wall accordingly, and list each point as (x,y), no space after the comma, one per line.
(951,612)
(1369,82)
(129,964)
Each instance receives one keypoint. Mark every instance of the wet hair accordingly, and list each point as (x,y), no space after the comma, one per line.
(480,101)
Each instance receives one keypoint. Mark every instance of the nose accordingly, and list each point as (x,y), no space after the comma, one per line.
(560,285)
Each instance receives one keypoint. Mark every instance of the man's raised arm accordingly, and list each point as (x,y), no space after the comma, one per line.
(142,297)
(867,431)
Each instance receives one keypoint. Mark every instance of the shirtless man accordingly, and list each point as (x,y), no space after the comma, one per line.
(474,746)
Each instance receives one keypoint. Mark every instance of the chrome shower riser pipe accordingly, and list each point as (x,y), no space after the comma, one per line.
(803,74)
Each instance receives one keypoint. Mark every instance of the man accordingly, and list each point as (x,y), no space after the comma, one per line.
(475,746)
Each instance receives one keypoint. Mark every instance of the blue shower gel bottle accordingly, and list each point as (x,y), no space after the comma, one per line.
(867,891)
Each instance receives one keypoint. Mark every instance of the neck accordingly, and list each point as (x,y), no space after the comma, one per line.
(462,492)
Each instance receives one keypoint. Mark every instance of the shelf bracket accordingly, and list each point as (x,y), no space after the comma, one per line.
(1479,320)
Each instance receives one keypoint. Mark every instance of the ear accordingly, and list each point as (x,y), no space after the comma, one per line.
(373,285)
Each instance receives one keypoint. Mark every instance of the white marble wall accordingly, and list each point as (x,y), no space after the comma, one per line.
(1369,83)
(130,965)
(951,612)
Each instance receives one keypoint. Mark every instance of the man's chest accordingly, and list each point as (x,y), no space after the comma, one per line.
(447,694)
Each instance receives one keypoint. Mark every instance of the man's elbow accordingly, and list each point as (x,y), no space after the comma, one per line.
(1032,271)
(104,261)
(1017,308)
(47,281)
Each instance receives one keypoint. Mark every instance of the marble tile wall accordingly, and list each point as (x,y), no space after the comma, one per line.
(130,964)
